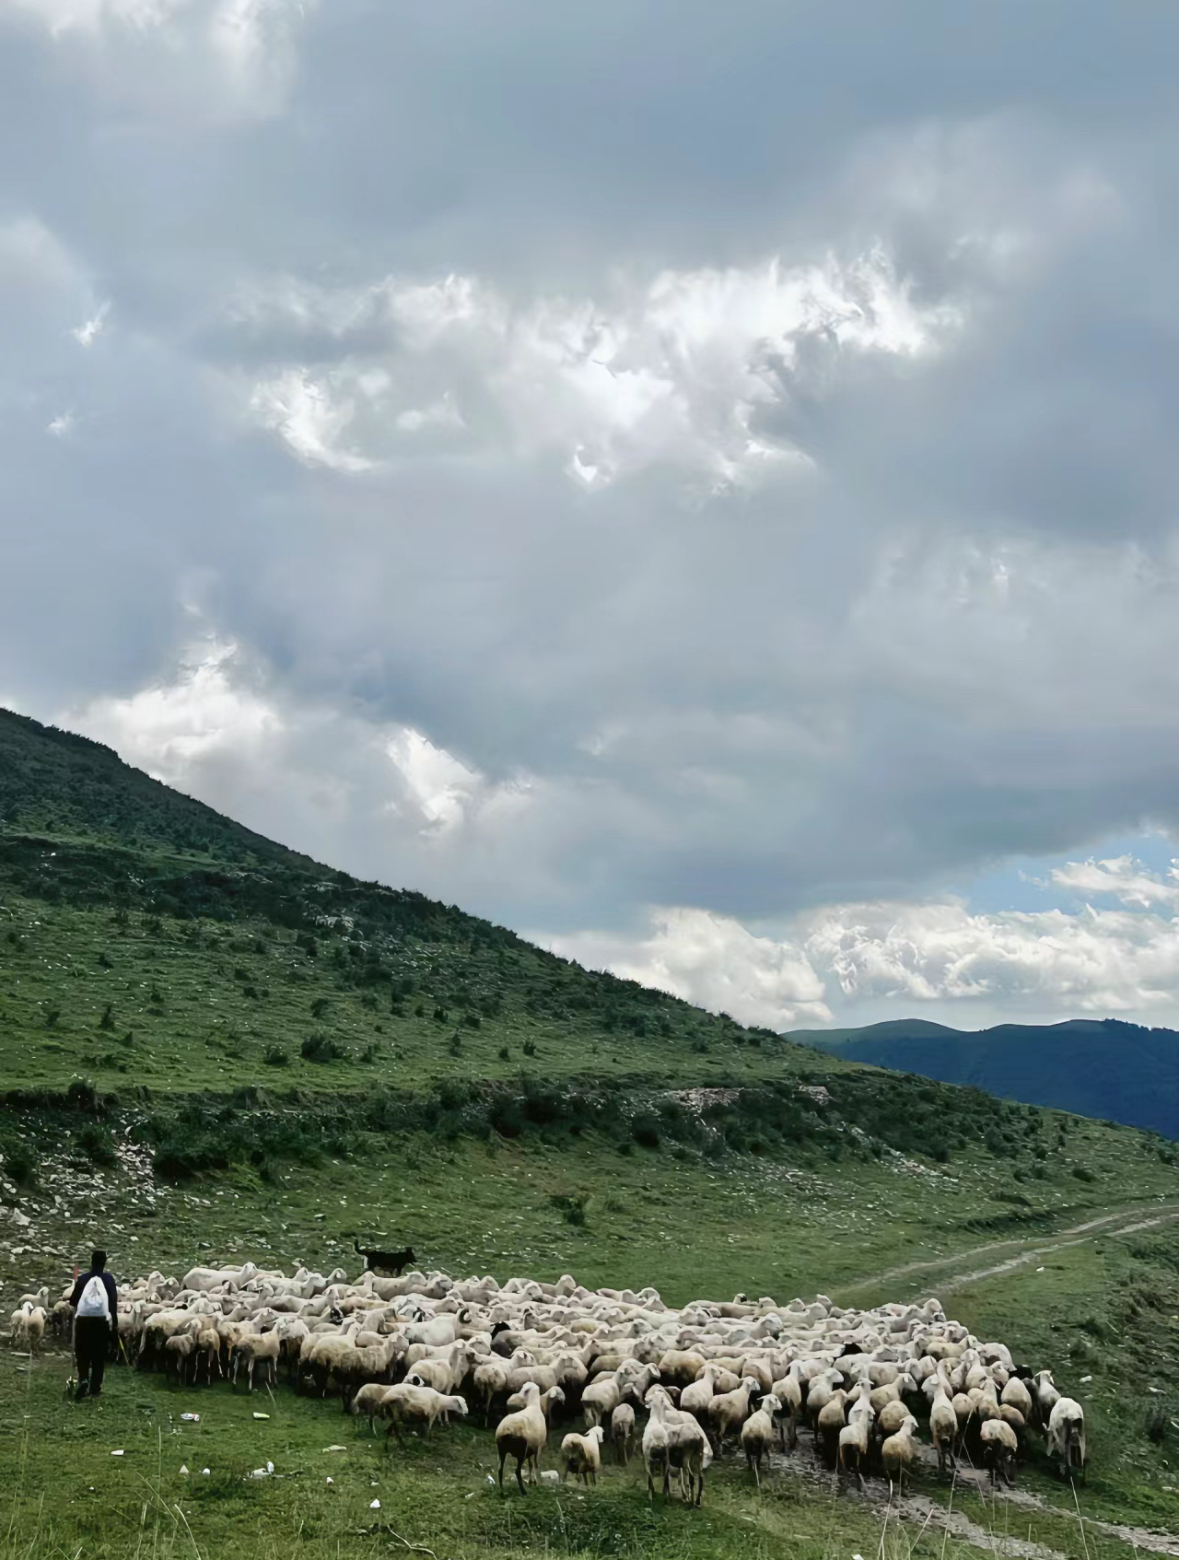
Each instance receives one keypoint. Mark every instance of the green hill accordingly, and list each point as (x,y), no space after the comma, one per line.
(1095,1067)
(213,1047)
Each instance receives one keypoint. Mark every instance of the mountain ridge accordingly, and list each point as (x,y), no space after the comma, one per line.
(1106,1068)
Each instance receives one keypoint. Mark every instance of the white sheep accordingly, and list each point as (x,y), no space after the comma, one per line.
(522,1435)
(1066,1436)
(582,1455)
(758,1434)
(622,1432)
(999,1449)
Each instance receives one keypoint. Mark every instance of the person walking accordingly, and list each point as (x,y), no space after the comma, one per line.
(96,1318)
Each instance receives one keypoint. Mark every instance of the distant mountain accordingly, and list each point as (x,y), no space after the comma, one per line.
(1096,1067)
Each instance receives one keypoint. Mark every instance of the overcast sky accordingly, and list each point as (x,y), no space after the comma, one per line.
(695,483)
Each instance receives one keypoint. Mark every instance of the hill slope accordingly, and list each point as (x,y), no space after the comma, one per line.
(1095,1067)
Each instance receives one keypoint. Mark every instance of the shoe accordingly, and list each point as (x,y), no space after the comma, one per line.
(83,1391)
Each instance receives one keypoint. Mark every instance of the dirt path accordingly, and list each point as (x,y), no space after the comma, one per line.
(1001,1535)
(1124,1221)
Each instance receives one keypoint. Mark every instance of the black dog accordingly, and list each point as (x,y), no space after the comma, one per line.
(391,1261)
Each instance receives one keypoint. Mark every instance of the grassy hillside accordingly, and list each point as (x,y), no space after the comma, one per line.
(211,1046)
(1095,1067)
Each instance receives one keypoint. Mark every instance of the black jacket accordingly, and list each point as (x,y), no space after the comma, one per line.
(109,1283)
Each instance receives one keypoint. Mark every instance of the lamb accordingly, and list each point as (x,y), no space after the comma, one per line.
(899,1453)
(522,1435)
(999,1448)
(758,1434)
(1066,1436)
(582,1455)
(622,1432)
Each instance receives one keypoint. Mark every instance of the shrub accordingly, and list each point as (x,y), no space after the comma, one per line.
(275,1056)
(504,1054)
(1083,1173)
(320,1007)
(319,1048)
(1156,1423)
(107,1021)
(96,1145)
(529,1048)
(21,1165)
(571,1208)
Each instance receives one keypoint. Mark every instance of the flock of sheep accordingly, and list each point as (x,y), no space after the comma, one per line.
(415,1350)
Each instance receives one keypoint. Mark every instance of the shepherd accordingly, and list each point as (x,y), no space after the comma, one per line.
(96,1311)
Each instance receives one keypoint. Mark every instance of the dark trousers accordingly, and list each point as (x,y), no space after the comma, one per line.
(92,1338)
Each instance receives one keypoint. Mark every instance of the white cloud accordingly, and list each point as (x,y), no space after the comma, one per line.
(1120,877)
(247,47)
(312,417)
(89,331)
(677,368)
(172,727)
(1098,961)
(61,425)
(715,962)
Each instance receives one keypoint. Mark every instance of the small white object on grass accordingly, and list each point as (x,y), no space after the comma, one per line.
(261,1416)
(119,1453)
(204,1473)
(183,1468)
(331,1480)
(374,1505)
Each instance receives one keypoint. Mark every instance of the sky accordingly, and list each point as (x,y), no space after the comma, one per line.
(696,485)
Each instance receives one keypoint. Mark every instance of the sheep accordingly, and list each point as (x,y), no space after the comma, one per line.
(758,1434)
(728,1411)
(1046,1395)
(1066,1436)
(855,1437)
(406,1404)
(830,1421)
(788,1391)
(178,1350)
(549,1401)
(622,1432)
(943,1423)
(674,1442)
(254,1350)
(582,1455)
(28,1326)
(899,1453)
(521,1435)
(999,1448)
(367,1400)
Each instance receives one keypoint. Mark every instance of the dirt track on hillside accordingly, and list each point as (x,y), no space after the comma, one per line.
(1124,1221)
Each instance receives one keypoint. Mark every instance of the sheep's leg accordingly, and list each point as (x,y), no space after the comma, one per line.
(650,1484)
(752,1463)
(519,1479)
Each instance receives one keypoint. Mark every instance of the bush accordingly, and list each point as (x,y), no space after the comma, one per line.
(571,1208)
(275,1056)
(20,1163)
(504,1054)
(96,1145)
(529,1048)
(319,1048)
(1083,1173)
(1156,1423)
(107,1021)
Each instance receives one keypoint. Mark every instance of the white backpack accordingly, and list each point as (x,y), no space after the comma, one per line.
(94,1300)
